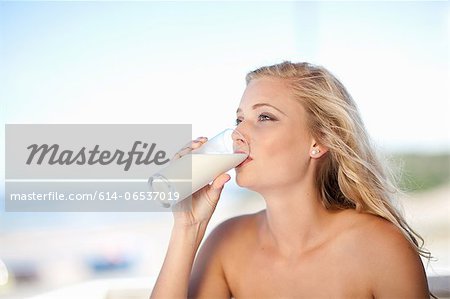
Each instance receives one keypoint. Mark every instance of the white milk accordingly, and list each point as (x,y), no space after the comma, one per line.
(205,168)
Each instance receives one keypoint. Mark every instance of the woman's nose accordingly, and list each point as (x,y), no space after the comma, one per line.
(238,136)
(241,138)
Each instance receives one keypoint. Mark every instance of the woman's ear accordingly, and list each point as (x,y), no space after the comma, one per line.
(316,151)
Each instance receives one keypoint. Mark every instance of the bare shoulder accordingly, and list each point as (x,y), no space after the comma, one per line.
(208,278)
(228,235)
(384,254)
(233,231)
(370,228)
(375,236)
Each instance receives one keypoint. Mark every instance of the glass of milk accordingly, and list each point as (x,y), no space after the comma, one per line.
(186,175)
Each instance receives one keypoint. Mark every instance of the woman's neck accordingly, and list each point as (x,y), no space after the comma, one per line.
(295,219)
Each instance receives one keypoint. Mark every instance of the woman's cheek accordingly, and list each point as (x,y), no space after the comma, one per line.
(278,146)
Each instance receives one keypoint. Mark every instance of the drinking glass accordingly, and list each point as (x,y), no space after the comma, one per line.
(186,175)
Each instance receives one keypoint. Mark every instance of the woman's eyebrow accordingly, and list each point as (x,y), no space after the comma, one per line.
(262,104)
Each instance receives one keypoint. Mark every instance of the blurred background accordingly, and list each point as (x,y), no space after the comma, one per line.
(185,62)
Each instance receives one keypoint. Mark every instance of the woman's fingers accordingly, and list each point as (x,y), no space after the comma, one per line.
(220,181)
(213,192)
(198,142)
(189,147)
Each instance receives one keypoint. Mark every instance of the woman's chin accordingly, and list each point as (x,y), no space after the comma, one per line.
(244,182)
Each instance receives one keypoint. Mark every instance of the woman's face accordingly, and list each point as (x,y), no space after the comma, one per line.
(274,124)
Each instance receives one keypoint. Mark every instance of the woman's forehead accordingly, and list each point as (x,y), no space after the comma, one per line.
(271,91)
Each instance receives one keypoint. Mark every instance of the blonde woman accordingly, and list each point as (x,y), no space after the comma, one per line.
(329,229)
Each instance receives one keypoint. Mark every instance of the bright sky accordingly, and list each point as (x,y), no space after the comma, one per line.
(185,62)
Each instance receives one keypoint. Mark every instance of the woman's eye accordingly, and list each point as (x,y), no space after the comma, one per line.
(261,117)
(264,117)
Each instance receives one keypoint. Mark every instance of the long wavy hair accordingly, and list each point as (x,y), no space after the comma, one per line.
(350,175)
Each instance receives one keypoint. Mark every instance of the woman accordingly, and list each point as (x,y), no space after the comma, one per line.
(329,229)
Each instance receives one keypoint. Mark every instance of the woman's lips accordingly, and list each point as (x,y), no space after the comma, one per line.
(245,162)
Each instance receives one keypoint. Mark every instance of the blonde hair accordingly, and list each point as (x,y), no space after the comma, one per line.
(350,175)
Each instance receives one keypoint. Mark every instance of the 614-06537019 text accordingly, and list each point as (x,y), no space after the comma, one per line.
(103,195)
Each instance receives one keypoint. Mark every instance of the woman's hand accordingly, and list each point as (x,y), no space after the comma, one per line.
(198,208)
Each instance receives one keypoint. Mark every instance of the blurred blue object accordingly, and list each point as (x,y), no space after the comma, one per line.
(106,263)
